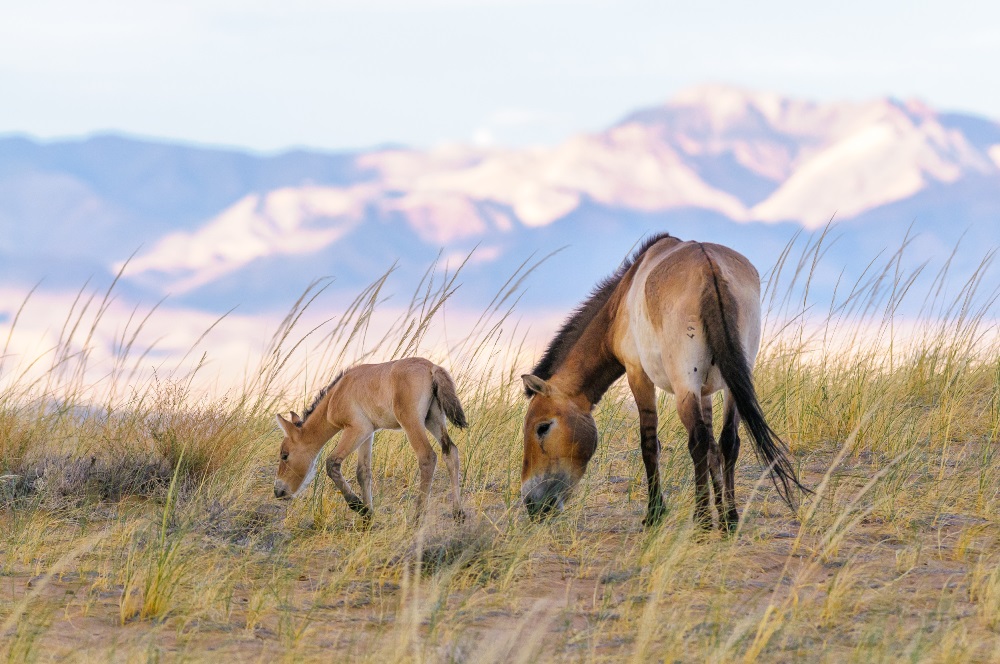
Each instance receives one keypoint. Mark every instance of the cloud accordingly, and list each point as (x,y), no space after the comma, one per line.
(521,126)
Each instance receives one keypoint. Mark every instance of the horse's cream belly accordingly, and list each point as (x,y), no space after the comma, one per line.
(677,365)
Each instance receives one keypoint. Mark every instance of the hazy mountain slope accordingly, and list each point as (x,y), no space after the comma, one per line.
(106,196)
(219,227)
(174,184)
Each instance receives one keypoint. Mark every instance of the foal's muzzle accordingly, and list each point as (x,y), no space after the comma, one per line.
(545,496)
(281,490)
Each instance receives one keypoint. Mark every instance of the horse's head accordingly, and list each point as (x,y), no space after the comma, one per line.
(560,436)
(297,461)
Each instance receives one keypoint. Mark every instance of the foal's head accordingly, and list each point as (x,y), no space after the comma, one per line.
(560,436)
(297,461)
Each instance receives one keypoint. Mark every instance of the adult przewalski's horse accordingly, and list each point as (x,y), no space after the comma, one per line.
(409,394)
(681,316)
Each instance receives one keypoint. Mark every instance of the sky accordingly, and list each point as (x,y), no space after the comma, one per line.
(338,75)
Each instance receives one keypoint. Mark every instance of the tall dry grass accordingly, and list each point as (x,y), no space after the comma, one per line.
(138,522)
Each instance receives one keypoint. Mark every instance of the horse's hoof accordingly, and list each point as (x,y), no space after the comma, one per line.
(459,515)
(654,516)
(653,520)
(703,528)
(703,535)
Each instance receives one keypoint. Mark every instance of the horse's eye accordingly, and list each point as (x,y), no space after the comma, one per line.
(284,456)
(543,429)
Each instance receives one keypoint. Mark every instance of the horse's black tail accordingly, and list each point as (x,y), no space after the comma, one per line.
(444,392)
(719,311)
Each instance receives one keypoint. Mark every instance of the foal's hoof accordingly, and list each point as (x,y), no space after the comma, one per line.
(458,514)
(359,507)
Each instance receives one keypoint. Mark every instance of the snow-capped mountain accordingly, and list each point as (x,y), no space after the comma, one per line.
(814,160)
(217,228)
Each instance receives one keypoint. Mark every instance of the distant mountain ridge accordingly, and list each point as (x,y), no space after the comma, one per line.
(218,227)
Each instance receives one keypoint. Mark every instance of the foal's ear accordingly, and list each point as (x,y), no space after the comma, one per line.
(286,426)
(535,385)
(296,420)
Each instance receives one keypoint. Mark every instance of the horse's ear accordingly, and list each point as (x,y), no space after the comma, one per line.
(535,385)
(286,426)
(296,420)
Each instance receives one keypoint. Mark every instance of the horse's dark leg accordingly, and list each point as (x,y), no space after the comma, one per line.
(729,441)
(644,393)
(715,468)
(700,444)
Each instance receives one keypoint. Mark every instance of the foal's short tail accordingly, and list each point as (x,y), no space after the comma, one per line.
(444,392)
(718,311)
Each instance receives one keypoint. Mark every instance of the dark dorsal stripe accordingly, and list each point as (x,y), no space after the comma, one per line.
(319,397)
(574,326)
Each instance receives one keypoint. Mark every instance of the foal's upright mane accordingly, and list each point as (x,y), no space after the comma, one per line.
(573,328)
(319,397)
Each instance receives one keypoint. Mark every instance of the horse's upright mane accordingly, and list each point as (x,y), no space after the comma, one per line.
(573,328)
(319,397)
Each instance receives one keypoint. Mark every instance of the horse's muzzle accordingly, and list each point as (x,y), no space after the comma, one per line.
(281,490)
(545,496)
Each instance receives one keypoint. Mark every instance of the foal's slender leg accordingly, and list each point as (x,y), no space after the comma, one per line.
(352,438)
(644,393)
(413,425)
(729,441)
(435,423)
(714,465)
(700,444)
(364,472)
